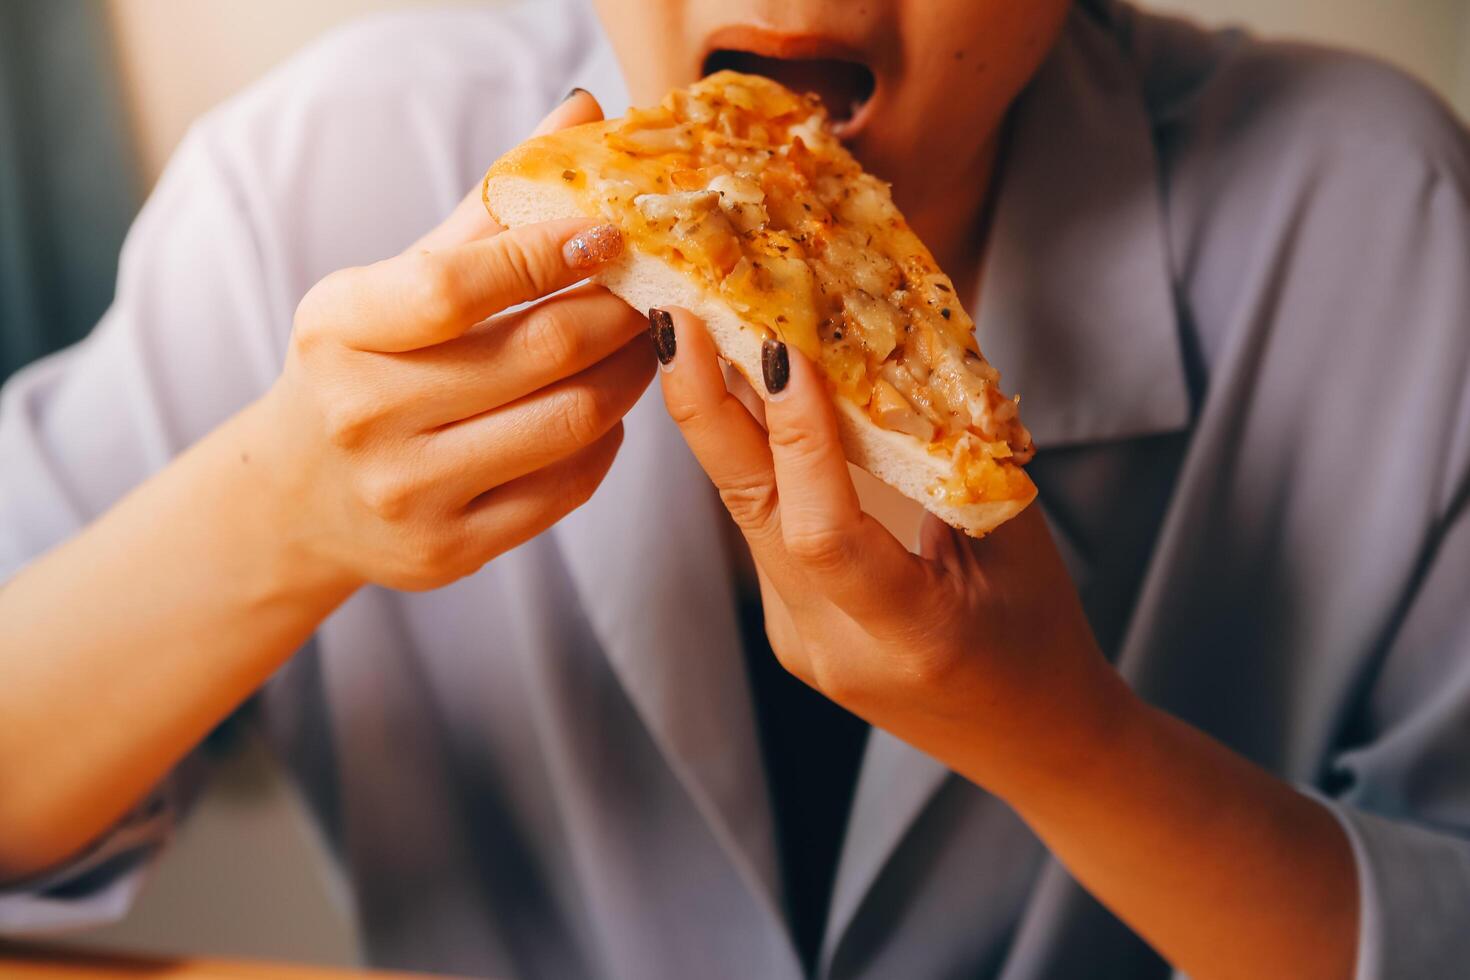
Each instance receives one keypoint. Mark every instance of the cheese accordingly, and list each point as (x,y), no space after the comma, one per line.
(740,182)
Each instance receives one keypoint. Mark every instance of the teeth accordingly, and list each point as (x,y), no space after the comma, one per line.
(845,86)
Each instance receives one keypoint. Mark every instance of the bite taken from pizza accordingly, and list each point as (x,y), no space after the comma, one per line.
(738,203)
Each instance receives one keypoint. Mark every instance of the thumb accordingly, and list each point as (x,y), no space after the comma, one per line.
(469,220)
(579,106)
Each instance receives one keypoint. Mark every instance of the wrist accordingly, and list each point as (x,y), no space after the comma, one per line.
(267,482)
(1090,765)
(1077,735)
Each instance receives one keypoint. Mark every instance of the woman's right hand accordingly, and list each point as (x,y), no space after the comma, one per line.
(418,429)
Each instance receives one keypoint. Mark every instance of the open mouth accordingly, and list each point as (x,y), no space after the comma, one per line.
(845,86)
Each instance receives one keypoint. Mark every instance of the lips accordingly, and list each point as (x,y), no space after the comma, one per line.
(832,71)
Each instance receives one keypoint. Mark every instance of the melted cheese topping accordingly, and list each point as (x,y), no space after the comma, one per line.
(739,181)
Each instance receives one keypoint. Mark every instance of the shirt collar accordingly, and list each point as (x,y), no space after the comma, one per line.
(1076,303)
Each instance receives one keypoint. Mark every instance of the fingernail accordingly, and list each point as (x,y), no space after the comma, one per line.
(661,329)
(593,247)
(775,366)
(572,94)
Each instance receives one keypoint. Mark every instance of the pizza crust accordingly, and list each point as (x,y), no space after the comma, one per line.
(645,281)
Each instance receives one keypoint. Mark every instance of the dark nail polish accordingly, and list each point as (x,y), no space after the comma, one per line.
(661,329)
(775,366)
(572,94)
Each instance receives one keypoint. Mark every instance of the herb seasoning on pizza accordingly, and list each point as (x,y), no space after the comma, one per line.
(739,204)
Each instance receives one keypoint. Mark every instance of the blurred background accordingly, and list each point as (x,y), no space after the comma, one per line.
(93,98)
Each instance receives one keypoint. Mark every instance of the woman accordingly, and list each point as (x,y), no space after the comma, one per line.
(1228,276)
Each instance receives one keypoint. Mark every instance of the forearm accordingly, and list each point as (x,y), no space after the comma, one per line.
(120,649)
(1224,869)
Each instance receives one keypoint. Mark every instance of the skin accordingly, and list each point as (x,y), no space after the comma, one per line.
(922,53)
(406,443)
(978,652)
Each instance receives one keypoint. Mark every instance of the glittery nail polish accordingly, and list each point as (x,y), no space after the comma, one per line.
(593,247)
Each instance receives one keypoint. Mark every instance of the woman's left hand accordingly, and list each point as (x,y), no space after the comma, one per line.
(977,652)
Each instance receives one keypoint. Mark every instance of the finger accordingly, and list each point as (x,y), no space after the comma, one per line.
(805,448)
(781,629)
(737,385)
(414,301)
(469,219)
(508,357)
(516,512)
(944,545)
(731,446)
(477,454)
(725,439)
(580,106)
(1022,544)
(848,555)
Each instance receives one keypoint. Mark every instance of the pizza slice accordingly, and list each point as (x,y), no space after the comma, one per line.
(738,204)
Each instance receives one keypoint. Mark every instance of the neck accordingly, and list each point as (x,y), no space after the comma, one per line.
(951,217)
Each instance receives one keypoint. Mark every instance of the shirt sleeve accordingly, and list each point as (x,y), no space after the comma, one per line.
(1404,797)
(1399,779)
(193,335)
(98,886)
